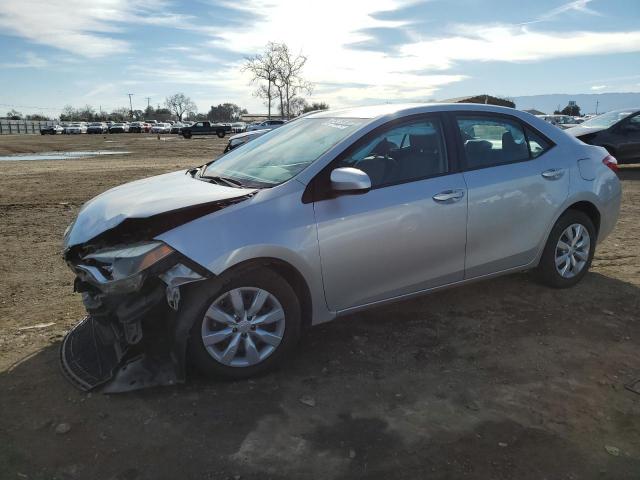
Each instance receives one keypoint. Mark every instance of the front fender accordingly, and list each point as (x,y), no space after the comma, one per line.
(274,224)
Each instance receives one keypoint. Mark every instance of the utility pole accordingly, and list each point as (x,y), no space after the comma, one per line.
(597,102)
(148,102)
(130,105)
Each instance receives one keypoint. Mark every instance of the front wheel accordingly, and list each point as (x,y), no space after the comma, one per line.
(569,250)
(246,326)
(220,134)
(186,134)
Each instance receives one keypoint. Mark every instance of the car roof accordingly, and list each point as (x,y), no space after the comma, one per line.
(400,109)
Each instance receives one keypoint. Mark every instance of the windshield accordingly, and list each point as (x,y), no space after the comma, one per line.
(606,119)
(283,153)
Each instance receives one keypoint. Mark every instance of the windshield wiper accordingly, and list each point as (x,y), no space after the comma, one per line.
(223,180)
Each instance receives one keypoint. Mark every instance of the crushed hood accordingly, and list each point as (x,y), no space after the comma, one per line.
(154,197)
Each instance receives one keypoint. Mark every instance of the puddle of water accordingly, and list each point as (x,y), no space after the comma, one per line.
(60,155)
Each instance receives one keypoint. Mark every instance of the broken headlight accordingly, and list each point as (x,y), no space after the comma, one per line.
(122,269)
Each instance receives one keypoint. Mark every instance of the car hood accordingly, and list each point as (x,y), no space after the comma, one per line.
(580,130)
(252,133)
(149,197)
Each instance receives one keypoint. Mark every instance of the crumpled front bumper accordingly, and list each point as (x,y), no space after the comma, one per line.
(129,341)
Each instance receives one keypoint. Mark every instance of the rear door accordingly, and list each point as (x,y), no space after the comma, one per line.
(516,184)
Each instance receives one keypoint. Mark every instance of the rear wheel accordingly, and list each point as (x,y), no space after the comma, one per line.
(246,326)
(569,250)
(186,134)
(220,133)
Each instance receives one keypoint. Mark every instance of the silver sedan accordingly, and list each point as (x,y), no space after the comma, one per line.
(333,212)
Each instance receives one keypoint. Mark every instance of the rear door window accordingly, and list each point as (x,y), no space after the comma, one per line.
(490,141)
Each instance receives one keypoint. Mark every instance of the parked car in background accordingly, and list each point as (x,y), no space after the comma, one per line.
(238,127)
(76,127)
(161,128)
(204,128)
(177,127)
(332,213)
(51,130)
(242,138)
(136,127)
(618,131)
(266,125)
(561,121)
(119,128)
(97,127)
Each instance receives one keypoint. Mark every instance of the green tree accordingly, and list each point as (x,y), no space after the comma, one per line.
(315,106)
(13,114)
(571,109)
(226,112)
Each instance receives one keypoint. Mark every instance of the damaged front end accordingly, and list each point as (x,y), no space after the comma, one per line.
(130,338)
(130,282)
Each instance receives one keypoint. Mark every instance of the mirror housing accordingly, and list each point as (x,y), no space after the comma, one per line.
(348,179)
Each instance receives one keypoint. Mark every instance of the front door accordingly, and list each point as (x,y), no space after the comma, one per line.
(408,232)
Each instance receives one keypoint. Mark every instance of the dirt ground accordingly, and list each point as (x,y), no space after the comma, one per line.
(503,379)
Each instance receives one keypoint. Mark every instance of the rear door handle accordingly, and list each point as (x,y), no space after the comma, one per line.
(448,196)
(553,173)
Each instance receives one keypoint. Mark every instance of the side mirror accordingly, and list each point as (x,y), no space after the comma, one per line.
(350,180)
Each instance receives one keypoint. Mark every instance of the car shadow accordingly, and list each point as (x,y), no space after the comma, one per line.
(442,383)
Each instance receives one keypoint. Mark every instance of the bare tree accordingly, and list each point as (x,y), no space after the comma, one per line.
(179,104)
(13,114)
(264,68)
(279,72)
(290,76)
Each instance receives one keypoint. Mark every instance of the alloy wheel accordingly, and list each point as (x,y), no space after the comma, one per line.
(243,327)
(572,250)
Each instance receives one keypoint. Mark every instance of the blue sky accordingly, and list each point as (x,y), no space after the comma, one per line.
(360,51)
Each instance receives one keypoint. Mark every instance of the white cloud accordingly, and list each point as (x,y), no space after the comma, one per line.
(322,30)
(580,6)
(325,37)
(87,28)
(29,60)
(598,87)
(516,44)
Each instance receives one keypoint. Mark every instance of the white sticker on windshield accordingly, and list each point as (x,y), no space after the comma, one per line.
(341,124)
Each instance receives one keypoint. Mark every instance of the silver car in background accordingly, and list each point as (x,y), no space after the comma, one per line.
(332,213)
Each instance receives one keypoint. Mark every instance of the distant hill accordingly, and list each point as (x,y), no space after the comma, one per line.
(586,101)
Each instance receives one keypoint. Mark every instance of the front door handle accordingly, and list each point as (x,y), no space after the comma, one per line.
(553,173)
(448,196)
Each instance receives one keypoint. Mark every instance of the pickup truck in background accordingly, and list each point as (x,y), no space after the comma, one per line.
(206,128)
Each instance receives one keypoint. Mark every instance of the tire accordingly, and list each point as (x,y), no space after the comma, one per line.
(547,272)
(259,279)
(186,135)
(220,133)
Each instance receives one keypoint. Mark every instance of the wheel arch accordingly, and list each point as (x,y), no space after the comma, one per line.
(291,275)
(589,209)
